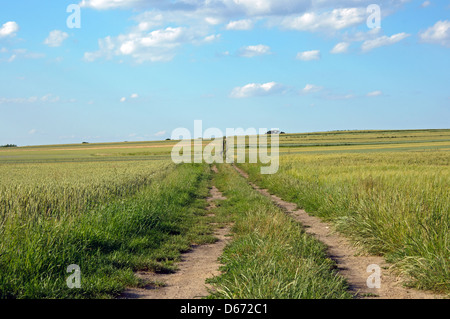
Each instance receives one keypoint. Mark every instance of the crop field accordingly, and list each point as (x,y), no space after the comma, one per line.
(387,191)
(115,209)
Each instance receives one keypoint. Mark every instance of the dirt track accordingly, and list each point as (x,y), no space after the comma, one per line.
(195,267)
(350,265)
(202,262)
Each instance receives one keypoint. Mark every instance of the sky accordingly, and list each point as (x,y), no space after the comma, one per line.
(135,70)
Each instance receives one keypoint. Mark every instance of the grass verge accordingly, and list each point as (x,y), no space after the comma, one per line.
(270,257)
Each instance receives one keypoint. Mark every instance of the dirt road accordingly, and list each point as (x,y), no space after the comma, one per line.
(195,267)
(351,265)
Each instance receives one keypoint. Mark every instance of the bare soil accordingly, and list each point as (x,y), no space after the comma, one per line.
(197,265)
(350,264)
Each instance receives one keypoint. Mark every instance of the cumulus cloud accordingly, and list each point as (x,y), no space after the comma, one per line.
(383,41)
(311,88)
(109,4)
(160,133)
(217,7)
(374,93)
(56,38)
(341,47)
(132,96)
(254,50)
(256,89)
(361,35)
(337,97)
(336,19)
(309,55)
(24,53)
(157,45)
(439,33)
(245,24)
(48,98)
(425,4)
(164,26)
(9,29)
(211,38)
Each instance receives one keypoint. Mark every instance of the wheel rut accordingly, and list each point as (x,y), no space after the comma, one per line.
(354,267)
(197,265)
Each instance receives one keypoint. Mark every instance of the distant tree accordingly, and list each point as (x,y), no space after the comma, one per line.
(9,145)
(85,143)
(167,139)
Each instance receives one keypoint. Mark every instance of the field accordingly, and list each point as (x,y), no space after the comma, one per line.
(117,208)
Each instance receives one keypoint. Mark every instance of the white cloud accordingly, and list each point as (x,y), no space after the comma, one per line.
(383,41)
(425,4)
(217,11)
(20,54)
(336,19)
(134,96)
(108,4)
(341,47)
(308,55)
(157,45)
(439,33)
(233,9)
(374,93)
(32,131)
(9,29)
(160,133)
(334,97)
(123,99)
(213,20)
(256,89)
(254,50)
(56,38)
(211,38)
(361,35)
(48,98)
(245,24)
(12,58)
(311,88)
(193,21)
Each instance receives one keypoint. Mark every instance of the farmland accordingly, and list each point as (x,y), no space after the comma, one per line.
(117,208)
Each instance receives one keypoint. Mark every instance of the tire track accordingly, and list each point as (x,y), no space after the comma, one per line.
(197,265)
(350,265)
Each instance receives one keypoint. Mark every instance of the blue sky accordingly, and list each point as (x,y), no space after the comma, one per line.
(137,69)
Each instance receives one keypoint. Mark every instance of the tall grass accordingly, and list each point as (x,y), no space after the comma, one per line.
(391,204)
(146,230)
(33,191)
(270,256)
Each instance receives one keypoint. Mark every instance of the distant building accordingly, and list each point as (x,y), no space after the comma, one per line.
(275,132)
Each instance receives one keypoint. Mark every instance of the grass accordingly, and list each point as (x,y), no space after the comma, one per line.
(115,208)
(391,204)
(145,231)
(270,256)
